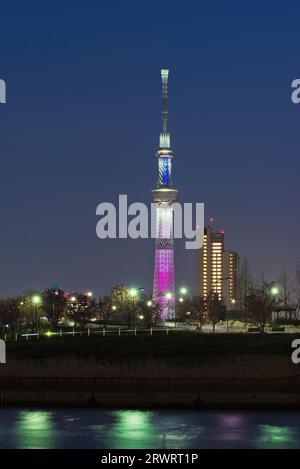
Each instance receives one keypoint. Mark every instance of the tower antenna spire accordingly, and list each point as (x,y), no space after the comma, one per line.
(164,79)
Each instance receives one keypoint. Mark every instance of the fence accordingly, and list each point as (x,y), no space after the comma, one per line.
(122,331)
(89,332)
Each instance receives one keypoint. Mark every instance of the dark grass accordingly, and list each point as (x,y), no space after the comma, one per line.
(176,347)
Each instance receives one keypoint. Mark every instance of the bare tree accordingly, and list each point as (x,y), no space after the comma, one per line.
(260,304)
(195,312)
(106,309)
(245,282)
(149,311)
(10,313)
(215,309)
(125,305)
(54,305)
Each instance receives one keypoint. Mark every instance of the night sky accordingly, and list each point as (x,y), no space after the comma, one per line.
(82,121)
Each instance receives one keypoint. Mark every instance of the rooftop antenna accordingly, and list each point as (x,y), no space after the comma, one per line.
(164,138)
(164,79)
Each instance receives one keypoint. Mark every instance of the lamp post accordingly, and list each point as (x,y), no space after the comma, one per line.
(274,291)
(36,300)
(133,292)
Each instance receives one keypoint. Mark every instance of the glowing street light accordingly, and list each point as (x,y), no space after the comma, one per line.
(168,295)
(114,307)
(36,300)
(233,301)
(274,290)
(183,290)
(181,300)
(73,298)
(89,294)
(133,292)
(149,303)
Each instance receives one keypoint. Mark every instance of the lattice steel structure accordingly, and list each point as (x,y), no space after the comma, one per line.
(164,196)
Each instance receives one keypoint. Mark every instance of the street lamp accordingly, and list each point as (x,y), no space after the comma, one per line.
(113,307)
(168,295)
(89,294)
(181,300)
(133,292)
(274,290)
(183,290)
(36,300)
(149,303)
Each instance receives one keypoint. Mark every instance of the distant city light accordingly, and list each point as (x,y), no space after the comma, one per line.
(89,294)
(73,298)
(233,301)
(183,290)
(149,303)
(141,316)
(114,307)
(180,300)
(168,295)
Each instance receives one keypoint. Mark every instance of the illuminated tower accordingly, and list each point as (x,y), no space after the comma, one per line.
(164,196)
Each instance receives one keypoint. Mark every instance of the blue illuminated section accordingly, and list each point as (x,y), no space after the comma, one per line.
(165,172)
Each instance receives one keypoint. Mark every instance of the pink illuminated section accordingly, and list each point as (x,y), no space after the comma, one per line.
(163,291)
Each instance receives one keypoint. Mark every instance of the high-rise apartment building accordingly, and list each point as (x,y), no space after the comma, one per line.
(218,269)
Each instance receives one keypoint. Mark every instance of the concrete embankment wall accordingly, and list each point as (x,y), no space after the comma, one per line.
(147,400)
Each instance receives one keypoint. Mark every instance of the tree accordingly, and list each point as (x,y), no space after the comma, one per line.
(195,311)
(10,313)
(260,304)
(297,286)
(215,309)
(149,310)
(125,305)
(54,305)
(106,308)
(80,307)
(285,296)
(31,312)
(245,281)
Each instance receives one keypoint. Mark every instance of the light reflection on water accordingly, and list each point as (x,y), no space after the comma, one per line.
(99,428)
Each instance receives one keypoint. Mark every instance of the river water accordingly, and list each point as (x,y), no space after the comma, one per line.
(116,429)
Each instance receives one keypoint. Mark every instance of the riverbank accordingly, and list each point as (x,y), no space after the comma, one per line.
(149,400)
(179,371)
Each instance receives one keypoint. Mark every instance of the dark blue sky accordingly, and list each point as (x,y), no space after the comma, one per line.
(82,121)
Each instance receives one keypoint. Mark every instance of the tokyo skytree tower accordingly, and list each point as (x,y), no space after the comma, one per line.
(164,196)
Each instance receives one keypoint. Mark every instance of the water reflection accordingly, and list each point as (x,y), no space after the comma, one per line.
(277,437)
(34,429)
(98,428)
(132,429)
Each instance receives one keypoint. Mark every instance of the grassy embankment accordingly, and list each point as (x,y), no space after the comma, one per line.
(178,355)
